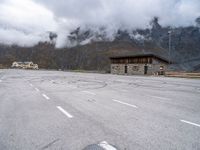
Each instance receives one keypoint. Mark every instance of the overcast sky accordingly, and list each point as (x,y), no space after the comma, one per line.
(25,22)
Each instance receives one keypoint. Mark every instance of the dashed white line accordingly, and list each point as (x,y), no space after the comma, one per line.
(45,96)
(191,123)
(88,92)
(64,112)
(106,146)
(0,80)
(52,81)
(31,85)
(37,89)
(164,98)
(125,103)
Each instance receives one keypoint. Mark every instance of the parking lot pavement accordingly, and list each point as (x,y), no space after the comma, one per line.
(66,110)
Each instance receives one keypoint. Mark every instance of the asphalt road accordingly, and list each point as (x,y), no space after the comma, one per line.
(55,110)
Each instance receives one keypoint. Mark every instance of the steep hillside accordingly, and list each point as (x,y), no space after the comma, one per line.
(91,50)
(93,56)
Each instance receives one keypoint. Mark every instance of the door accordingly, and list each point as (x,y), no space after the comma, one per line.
(145,69)
(161,70)
(126,70)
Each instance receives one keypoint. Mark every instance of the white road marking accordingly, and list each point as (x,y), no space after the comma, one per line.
(121,80)
(191,123)
(125,103)
(88,92)
(37,89)
(0,80)
(106,146)
(31,85)
(65,112)
(164,98)
(52,81)
(45,96)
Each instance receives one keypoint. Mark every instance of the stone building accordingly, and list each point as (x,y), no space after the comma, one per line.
(145,64)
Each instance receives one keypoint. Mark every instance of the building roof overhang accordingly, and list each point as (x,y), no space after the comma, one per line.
(142,55)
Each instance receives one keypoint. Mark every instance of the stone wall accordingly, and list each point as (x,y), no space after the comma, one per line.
(118,68)
(157,64)
(137,69)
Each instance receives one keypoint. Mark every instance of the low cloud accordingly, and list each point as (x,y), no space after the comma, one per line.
(26,22)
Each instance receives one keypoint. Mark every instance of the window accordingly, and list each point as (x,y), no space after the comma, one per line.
(135,68)
(161,68)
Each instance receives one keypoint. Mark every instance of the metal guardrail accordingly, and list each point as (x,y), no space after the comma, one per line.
(182,74)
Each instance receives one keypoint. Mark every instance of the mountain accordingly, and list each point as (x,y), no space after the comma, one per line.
(91,49)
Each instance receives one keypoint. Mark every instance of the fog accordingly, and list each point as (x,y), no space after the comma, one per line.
(26,22)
